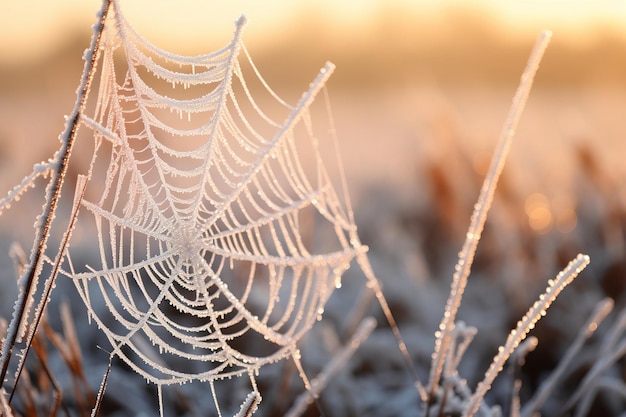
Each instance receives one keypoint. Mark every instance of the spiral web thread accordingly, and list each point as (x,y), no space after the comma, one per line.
(206,215)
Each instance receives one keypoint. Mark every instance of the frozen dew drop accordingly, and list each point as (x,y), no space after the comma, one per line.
(338,282)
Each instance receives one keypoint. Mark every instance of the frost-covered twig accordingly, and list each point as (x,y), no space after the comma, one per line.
(479,216)
(465,334)
(250,405)
(462,395)
(41,169)
(603,308)
(462,336)
(81,184)
(526,324)
(103,385)
(518,359)
(615,334)
(53,194)
(609,344)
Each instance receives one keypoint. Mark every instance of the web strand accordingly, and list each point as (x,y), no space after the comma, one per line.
(203,214)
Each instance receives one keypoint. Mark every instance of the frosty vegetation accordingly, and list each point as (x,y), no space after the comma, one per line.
(219,244)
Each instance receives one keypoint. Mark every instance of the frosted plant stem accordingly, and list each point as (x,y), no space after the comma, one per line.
(518,359)
(609,344)
(465,334)
(594,373)
(81,184)
(103,385)
(53,194)
(515,401)
(479,216)
(603,308)
(5,408)
(526,324)
(332,368)
(615,334)
(603,385)
(250,405)
(41,169)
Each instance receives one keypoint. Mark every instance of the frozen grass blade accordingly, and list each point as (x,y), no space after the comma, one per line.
(69,349)
(57,392)
(603,308)
(461,339)
(609,345)
(250,405)
(81,184)
(594,374)
(526,324)
(517,361)
(101,391)
(602,385)
(39,170)
(479,216)
(53,194)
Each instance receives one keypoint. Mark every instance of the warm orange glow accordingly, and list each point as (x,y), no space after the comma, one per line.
(544,214)
(26,31)
(564,213)
(537,208)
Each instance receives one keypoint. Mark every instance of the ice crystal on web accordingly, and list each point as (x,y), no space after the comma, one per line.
(204,211)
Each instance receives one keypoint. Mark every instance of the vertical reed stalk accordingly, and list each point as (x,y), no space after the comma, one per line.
(53,193)
(479,216)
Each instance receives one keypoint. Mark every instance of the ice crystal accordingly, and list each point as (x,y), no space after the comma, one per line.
(204,219)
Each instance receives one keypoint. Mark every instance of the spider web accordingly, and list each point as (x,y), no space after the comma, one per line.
(208,216)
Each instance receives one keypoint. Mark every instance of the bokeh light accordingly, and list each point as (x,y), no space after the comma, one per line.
(537,208)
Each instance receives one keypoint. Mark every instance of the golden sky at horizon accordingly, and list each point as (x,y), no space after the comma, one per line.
(29,27)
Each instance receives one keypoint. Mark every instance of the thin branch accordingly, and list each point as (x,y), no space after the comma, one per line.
(250,405)
(517,361)
(103,385)
(53,194)
(41,169)
(81,184)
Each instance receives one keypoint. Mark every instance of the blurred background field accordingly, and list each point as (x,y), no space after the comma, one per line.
(419,97)
(419,76)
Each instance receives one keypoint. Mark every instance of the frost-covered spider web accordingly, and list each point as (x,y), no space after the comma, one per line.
(207,213)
